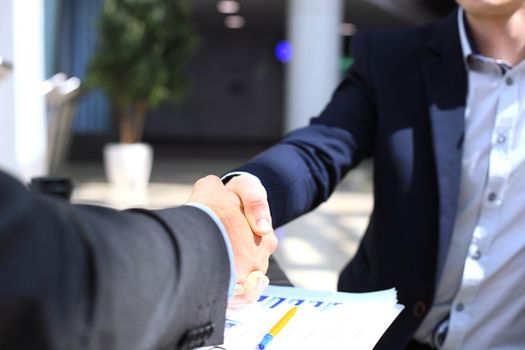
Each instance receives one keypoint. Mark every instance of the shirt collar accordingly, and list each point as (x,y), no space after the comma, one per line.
(471,56)
(465,43)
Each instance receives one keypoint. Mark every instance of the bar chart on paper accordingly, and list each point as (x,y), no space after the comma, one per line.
(324,320)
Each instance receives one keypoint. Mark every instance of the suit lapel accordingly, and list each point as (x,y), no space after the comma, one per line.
(446,87)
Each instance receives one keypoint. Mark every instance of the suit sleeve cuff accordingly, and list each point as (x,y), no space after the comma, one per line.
(227,242)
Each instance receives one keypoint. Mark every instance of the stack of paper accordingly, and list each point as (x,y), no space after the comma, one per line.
(324,320)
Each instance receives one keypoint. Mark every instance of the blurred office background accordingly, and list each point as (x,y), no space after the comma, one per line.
(239,92)
(263,67)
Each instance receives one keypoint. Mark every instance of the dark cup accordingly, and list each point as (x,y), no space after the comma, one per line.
(54,185)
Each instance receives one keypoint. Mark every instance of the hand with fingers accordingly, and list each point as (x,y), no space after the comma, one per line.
(251,249)
(257,211)
(254,201)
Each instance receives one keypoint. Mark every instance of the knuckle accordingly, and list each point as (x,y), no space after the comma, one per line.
(207,181)
(212,179)
(272,242)
(255,196)
(257,203)
(199,182)
(249,186)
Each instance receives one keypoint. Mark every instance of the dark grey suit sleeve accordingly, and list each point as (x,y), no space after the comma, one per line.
(84,277)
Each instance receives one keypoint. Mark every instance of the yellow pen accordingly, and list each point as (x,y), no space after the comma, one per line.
(268,337)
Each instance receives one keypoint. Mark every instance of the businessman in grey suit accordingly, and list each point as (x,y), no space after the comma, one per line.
(86,277)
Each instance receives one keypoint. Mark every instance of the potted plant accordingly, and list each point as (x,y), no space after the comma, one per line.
(141,54)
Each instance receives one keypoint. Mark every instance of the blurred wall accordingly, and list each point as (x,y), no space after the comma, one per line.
(7,106)
(22,109)
(236,93)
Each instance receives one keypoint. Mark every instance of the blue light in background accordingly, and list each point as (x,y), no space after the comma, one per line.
(283,51)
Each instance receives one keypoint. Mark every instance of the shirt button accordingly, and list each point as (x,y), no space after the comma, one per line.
(460,307)
(501,138)
(509,81)
(492,197)
(419,309)
(476,254)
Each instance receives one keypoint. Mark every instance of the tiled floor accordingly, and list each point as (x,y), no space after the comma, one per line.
(312,249)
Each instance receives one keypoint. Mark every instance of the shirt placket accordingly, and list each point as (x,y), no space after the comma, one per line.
(477,262)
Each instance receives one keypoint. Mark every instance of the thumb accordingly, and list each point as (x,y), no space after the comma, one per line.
(254,201)
(250,291)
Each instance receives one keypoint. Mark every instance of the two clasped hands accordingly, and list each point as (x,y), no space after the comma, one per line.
(242,207)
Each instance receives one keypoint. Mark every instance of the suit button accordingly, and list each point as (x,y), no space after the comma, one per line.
(419,309)
(196,337)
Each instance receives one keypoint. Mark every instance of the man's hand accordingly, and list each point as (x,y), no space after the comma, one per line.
(254,201)
(250,252)
(257,210)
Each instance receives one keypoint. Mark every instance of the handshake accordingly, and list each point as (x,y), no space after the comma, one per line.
(243,209)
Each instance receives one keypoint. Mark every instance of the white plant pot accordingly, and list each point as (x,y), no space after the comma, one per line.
(128,166)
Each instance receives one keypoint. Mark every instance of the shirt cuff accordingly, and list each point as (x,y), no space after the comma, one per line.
(231,287)
(226,178)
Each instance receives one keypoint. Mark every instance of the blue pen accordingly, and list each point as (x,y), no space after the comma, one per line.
(268,337)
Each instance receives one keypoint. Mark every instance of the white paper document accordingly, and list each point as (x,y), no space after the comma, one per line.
(324,320)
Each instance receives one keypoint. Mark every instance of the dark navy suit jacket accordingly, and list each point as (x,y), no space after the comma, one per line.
(85,277)
(403,103)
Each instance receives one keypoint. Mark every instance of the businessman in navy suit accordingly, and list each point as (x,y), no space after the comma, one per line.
(441,109)
(87,277)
